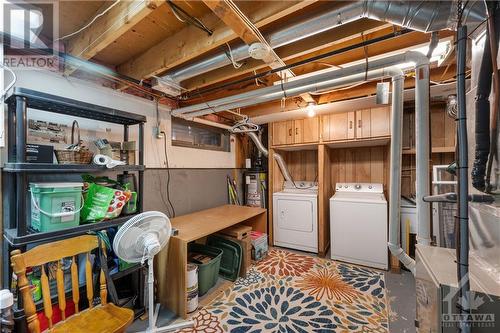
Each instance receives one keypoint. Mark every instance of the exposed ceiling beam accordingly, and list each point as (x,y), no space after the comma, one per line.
(232,20)
(104,31)
(190,42)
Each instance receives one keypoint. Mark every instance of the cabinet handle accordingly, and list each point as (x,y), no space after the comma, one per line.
(290,132)
(350,124)
(359,123)
(296,131)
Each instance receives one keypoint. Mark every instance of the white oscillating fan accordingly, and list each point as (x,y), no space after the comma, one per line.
(138,240)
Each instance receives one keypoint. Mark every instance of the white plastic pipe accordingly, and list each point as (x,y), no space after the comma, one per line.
(394,243)
(422,147)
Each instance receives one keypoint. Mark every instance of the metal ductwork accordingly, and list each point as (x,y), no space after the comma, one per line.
(277,157)
(426,16)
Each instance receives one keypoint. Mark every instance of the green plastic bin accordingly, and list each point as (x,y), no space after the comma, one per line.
(209,272)
(55,206)
(232,254)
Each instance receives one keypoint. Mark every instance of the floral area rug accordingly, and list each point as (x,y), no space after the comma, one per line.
(289,292)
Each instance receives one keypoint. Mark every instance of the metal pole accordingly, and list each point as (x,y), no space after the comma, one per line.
(463,184)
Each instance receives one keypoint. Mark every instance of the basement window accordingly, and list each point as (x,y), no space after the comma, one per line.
(194,135)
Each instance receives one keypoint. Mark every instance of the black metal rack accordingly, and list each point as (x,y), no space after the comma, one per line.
(15,172)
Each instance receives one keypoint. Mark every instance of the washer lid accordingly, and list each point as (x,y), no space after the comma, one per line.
(359,197)
(297,193)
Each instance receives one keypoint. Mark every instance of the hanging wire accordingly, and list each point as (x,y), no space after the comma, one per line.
(229,54)
(91,22)
(185,17)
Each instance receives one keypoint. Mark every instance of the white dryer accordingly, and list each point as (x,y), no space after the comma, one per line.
(358,224)
(295,216)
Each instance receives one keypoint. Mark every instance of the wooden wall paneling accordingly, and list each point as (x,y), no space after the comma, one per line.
(324,182)
(437,126)
(362,164)
(377,162)
(325,128)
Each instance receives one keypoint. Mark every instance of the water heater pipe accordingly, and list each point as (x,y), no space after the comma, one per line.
(277,157)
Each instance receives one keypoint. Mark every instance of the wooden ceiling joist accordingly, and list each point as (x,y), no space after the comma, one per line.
(190,42)
(104,31)
(232,20)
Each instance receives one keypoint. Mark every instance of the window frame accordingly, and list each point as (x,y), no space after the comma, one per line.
(225,136)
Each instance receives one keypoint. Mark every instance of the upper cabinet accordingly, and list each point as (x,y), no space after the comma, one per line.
(354,125)
(296,131)
(442,126)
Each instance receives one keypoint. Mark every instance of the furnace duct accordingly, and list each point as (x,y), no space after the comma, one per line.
(426,16)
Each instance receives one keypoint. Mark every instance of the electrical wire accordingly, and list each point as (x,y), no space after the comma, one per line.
(117,21)
(168,173)
(91,22)
(236,64)
(185,17)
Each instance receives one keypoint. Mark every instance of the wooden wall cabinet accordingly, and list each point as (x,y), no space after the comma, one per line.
(361,124)
(338,126)
(443,130)
(296,131)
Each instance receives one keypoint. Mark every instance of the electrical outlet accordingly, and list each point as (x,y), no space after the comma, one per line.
(158,132)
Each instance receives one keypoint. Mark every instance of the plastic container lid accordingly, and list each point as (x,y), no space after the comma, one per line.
(6,299)
(58,185)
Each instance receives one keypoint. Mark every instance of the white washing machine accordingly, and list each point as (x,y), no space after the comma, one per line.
(295,216)
(358,224)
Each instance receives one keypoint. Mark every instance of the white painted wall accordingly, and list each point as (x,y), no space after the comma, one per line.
(89,92)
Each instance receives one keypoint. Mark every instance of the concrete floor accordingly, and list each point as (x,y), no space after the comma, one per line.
(402,303)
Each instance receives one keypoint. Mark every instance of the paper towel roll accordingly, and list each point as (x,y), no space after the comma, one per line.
(101,159)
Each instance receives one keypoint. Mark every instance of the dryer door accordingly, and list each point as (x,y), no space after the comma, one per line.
(295,223)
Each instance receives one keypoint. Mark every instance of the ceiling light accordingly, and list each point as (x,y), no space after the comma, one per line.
(311,106)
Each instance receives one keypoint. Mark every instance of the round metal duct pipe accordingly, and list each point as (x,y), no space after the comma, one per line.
(423,16)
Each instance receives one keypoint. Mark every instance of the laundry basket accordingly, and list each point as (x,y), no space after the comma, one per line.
(55,206)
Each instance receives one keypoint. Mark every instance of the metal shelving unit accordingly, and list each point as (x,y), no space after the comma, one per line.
(16,231)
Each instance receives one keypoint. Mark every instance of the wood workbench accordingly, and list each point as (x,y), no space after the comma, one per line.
(171,264)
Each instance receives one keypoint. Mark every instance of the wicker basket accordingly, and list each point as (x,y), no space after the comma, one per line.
(68,156)
(72,156)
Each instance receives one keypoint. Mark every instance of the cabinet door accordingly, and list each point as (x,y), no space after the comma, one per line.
(310,130)
(351,125)
(380,121)
(281,133)
(363,124)
(325,128)
(298,127)
(339,126)
(289,132)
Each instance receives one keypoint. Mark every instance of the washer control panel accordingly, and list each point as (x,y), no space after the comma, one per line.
(359,187)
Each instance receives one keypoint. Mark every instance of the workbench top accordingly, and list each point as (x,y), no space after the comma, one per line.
(205,222)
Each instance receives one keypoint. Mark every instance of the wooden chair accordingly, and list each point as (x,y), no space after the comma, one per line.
(105,317)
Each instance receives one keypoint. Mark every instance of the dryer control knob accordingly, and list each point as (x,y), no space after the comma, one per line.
(357,187)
